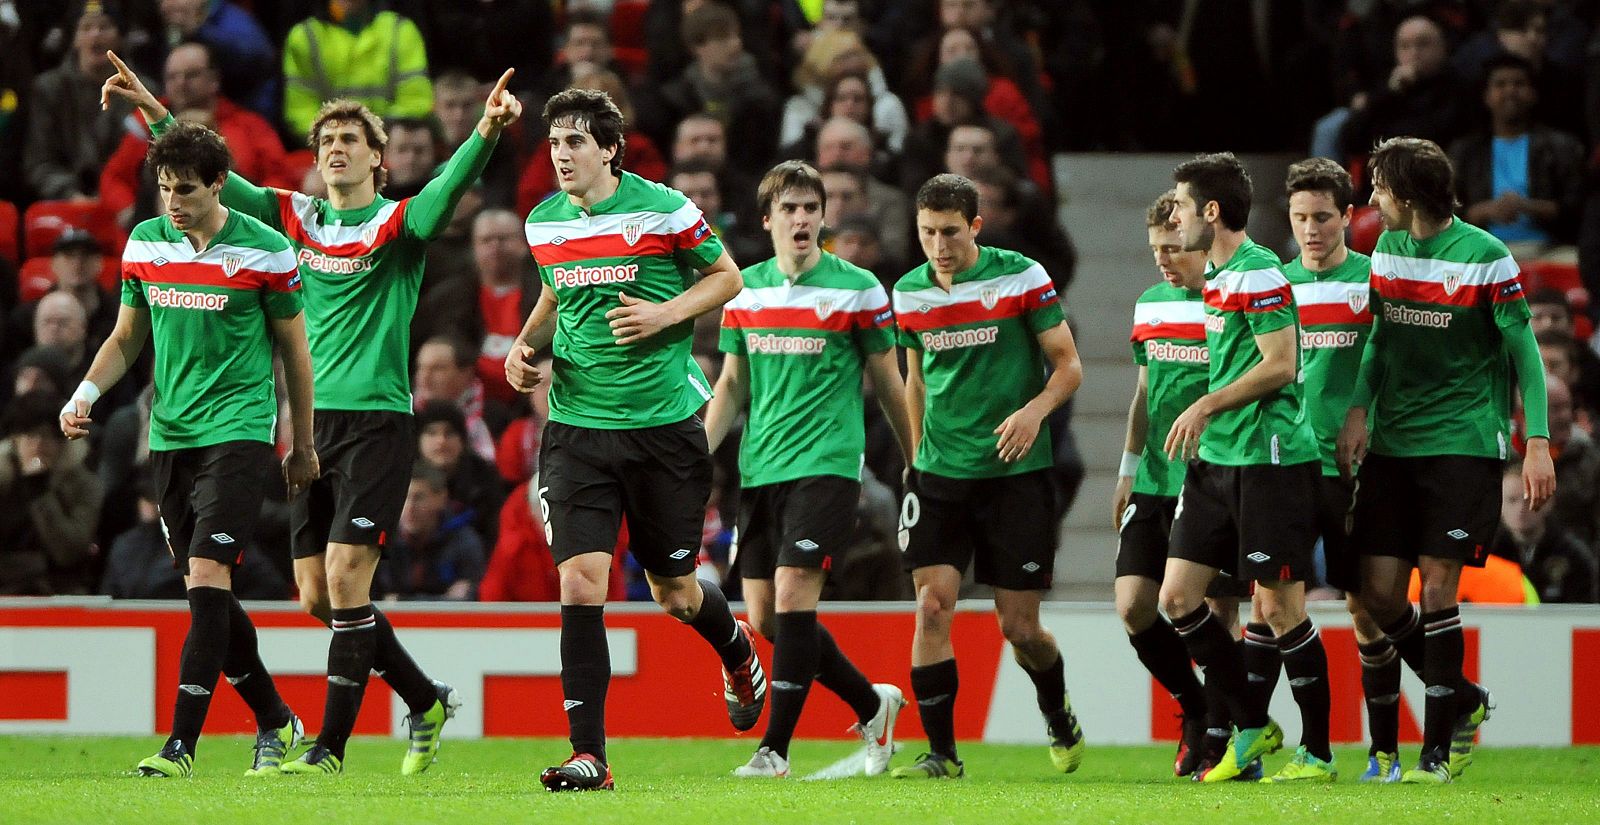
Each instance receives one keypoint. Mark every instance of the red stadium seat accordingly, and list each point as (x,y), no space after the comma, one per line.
(1365,227)
(1549,275)
(10,246)
(627,24)
(35,279)
(46,220)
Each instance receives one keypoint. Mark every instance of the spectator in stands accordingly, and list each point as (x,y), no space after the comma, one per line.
(75,264)
(59,321)
(69,135)
(516,455)
(124,447)
(355,49)
(1558,566)
(446,370)
(958,101)
(411,156)
(1422,97)
(457,104)
(703,139)
(1000,36)
(1001,98)
(1016,218)
(52,503)
(42,370)
(722,80)
(1577,459)
(1522,28)
(1560,353)
(585,46)
(856,240)
(666,25)
(434,555)
(483,37)
(1552,315)
(1520,179)
(475,487)
(521,569)
(247,60)
(831,56)
(640,155)
(844,142)
(488,308)
(191,82)
(700,181)
(16,76)
(846,189)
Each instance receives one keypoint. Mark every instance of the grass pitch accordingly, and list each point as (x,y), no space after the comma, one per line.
(58,780)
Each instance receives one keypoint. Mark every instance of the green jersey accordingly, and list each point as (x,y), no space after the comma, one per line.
(1246,297)
(1169,341)
(209,314)
(805,342)
(362,270)
(1439,307)
(1334,323)
(979,350)
(645,240)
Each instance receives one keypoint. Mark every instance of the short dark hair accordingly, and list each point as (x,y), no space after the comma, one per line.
(695,166)
(586,15)
(463,354)
(1518,15)
(1321,175)
(205,48)
(1160,213)
(589,111)
(1507,60)
(1000,178)
(441,412)
(949,193)
(190,148)
(1417,171)
(708,22)
(344,110)
(413,124)
(1550,295)
(32,412)
(790,174)
(1222,178)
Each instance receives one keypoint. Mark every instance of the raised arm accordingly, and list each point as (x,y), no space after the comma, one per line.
(430,211)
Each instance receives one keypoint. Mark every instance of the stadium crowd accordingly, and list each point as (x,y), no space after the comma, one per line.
(878,95)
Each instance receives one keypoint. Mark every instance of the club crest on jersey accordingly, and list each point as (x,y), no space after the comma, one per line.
(369,236)
(231,264)
(1358,300)
(824,307)
(631,230)
(989,297)
(1452,282)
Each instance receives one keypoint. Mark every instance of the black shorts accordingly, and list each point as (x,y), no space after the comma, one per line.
(1441,506)
(366,458)
(1256,522)
(1005,527)
(1336,503)
(659,477)
(210,499)
(804,522)
(1142,545)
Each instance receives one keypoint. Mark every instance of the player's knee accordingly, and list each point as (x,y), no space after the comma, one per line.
(933,611)
(1280,615)
(315,603)
(1136,614)
(1438,595)
(1023,632)
(1177,603)
(678,602)
(762,625)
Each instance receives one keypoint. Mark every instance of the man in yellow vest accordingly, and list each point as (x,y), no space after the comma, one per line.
(355,49)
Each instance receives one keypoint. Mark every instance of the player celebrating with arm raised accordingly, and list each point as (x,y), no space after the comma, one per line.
(619,256)
(216,290)
(362,258)
(798,338)
(1449,318)
(989,357)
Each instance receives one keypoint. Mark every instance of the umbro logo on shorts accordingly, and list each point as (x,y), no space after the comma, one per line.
(1258,557)
(1031,567)
(362,522)
(680,554)
(194,690)
(569,704)
(1457,534)
(807,545)
(222,538)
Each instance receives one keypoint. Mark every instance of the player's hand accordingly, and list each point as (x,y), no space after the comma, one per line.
(127,86)
(1183,440)
(1120,499)
(1352,445)
(75,419)
(1017,434)
(300,468)
(638,319)
(501,109)
(521,374)
(1538,474)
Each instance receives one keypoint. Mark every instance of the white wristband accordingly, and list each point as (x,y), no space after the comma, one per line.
(86,392)
(1130,465)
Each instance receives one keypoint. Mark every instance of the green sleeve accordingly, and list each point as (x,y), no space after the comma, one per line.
(133,293)
(875,329)
(1530,377)
(731,340)
(430,211)
(281,304)
(908,339)
(1366,386)
(1139,356)
(1047,315)
(258,202)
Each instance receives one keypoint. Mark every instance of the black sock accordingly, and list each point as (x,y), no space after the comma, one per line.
(350,655)
(1380,684)
(1049,685)
(716,625)
(1219,720)
(1407,637)
(794,665)
(1442,672)
(837,673)
(935,687)
(1306,663)
(1214,650)
(1162,653)
(248,675)
(204,650)
(395,666)
(585,676)
(1262,662)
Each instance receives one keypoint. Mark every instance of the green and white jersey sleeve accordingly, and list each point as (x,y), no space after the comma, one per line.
(209,322)
(648,241)
(981,360)
(1246,297)
(1441,304)
(1169,341)
(805,342)
(1335,321)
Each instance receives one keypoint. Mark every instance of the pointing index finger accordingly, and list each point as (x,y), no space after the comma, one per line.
(500,85)
(122,68)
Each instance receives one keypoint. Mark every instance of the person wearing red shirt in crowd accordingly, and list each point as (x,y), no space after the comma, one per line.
(521,568)
(516,454)
(194,86)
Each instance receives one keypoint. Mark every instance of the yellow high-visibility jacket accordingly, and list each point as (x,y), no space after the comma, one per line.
(384,65)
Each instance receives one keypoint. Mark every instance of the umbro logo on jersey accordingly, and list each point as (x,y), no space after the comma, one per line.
(756,307)
(1030,567)
(559,240)
(231,264)
(807,545)
(569,704)
(160,262)
(924,308)
(1457,534)
(1155,322)
(362,522)
(681,554)
(222,538)
(1258,557)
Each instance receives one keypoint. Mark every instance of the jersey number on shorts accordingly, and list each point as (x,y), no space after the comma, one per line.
(910,514)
